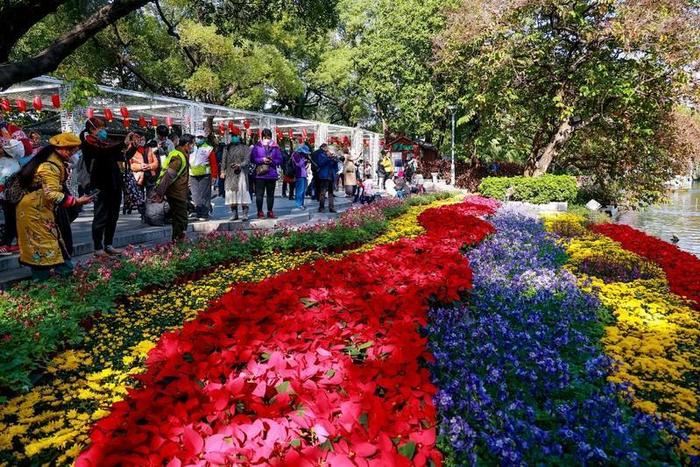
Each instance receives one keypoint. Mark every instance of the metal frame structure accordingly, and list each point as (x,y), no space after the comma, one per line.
(190,115)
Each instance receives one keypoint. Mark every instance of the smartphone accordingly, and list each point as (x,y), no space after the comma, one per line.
(94,193)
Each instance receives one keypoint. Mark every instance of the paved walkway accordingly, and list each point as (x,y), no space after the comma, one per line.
(131,231)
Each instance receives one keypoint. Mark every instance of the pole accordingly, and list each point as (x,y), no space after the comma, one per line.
(452,166)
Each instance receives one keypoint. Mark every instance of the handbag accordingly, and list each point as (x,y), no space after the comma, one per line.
(133,195)
(262,169)
(155,213)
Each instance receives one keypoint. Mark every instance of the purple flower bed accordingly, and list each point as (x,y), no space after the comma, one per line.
(522,377)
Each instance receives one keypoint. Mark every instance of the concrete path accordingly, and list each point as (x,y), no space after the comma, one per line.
(131,231)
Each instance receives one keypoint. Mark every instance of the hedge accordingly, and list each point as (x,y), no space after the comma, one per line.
(537,190)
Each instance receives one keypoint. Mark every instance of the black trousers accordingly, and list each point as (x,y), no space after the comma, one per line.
(326,189)
(10,211)
(289,185)
(261,188)
(104,224)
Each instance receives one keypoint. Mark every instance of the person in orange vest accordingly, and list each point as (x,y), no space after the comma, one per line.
(203,168)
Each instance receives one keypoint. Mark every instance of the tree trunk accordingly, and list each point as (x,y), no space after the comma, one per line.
(49,59)
(543,157)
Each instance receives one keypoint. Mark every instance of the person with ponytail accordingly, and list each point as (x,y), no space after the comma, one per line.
(45,244)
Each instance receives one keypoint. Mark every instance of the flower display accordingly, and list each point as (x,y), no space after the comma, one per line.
(325,369)
(652,334)
(51,423)
(521,378)
(682,268)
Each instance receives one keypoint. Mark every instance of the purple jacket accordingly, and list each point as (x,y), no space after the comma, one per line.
(273,152)
(301,163)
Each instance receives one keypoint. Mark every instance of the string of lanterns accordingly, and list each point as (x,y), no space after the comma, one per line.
(37,103)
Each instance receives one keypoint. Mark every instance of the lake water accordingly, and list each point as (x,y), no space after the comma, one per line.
(680,217)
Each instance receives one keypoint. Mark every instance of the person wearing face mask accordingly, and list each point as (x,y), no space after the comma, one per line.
(173,184)
(105,162)
(45,242)
(10,153)
(203,167)
(267,157)
(234,170)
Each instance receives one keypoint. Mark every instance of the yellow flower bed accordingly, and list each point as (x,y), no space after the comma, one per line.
(51,423)
(654,338)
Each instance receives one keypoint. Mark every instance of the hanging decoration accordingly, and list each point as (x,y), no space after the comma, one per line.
(56,101)
(312,139)
(21,105)
(5,105)
(154,122)
(109,116)
(37,104)
(304,134)
(246,124)
(291,133)
(142,122)
(169,121)
(346,141)
(259,133)
(126,122)
(90,112)
(300,139)
(222,128)
(124,111)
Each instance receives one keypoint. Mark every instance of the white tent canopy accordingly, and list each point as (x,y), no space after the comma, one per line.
(190,115)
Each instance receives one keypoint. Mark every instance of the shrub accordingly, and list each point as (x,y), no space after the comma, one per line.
(537,190)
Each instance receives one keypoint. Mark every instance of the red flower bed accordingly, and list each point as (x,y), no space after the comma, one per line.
(682,268)
(319,364)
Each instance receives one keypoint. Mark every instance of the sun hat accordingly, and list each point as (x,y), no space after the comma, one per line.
(303,149)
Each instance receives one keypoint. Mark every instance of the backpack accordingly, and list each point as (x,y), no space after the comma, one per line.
(81,174)
(14,191)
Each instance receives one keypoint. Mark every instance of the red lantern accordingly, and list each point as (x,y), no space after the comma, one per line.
(301,140)
(56,101)
(291,134)
(246,124)
(21,105)
(222,128)
(90,112)
(312,139)
(108,115)
(124,111)
(169,121)
(154,121)
(127,123)
(5,105)
(259,133)
(231,126)
(38,105)
(304,134)
(142,122)
(346,141)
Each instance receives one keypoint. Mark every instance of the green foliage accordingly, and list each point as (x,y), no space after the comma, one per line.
(539,190)
(525,70)
(82,90)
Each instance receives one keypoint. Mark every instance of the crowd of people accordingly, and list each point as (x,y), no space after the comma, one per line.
(44,186)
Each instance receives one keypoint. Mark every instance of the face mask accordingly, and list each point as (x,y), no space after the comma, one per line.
(102,134)
(200,141)
(235,139)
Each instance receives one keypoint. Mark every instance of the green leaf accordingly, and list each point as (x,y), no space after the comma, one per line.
(283,387)
(308,302)
(295,443)
(408,450)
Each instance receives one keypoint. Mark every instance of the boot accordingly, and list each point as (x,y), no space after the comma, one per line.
(245,213)
(234,210)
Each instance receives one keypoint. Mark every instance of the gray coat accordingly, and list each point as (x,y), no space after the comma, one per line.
(237,154)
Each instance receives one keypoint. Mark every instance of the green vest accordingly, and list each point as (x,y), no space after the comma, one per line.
(199,161)
(166,164)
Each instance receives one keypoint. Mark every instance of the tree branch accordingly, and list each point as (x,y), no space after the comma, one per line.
(126,63)
(173,33)
(49,59)
(23,16)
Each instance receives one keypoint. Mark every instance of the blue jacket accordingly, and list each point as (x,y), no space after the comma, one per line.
(327,167)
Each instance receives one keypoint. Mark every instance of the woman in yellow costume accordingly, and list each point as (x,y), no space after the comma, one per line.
(42,245)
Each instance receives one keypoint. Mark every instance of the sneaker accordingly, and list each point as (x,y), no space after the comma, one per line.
(233,218)
(100,253)
(202,219)
(5,251)
(271,215)
(110,250)
(261,215)
(244,218)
